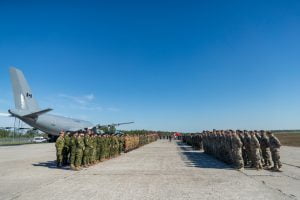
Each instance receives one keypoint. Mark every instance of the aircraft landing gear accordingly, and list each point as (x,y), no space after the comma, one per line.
(52,138)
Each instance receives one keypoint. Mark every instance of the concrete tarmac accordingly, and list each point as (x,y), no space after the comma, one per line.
(161,170)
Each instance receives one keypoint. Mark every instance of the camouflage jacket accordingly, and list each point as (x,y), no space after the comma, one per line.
(60,142)
(264,142)
(80,143)
(73,141)
(274,142)
(87,142)
(236,142)
(254,143)
(67,140)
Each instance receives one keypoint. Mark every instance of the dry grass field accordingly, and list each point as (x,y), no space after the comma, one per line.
(289,138)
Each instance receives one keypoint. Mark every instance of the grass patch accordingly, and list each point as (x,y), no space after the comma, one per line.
(289,138)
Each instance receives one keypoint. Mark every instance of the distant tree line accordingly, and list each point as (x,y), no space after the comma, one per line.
(145,132)
(28,134)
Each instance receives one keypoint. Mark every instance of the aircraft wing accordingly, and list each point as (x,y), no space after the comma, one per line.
(10,127)
(115,124)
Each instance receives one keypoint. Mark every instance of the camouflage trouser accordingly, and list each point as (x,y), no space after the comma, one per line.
(111,151)
(120,148)
(248,155)
(72,155)
(106,151)
(266,153)
(102,152)
(256,159)
(93,155)
(230,156)
(238,158)
(78,157)
(276,158)
(244,155)
(86,156)
(66,151)
(261,156)
(59,155)
(98,154)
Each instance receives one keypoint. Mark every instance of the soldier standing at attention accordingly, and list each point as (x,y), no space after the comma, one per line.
(255,151)
(66,149)
(237,151)
(73,150)
(94,149)
(79,150)
(260,151)
(265,148)
(60,142)
(87,149)
(275,150)
(248,157)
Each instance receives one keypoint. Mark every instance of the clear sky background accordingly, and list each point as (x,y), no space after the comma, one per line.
(167,65)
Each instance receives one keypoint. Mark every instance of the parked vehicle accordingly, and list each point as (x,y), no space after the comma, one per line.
(39,140)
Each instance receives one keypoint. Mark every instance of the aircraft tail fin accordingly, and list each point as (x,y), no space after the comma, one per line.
(22,92)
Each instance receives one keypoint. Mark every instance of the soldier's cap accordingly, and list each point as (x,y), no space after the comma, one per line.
(269,132)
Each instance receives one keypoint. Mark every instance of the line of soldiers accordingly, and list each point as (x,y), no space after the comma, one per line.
(255,149)
(86,148)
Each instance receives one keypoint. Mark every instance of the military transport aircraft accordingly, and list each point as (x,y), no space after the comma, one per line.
(27,110)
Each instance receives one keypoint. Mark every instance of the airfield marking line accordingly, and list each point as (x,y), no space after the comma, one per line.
(291,165)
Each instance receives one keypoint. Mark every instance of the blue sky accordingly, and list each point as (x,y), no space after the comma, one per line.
(167,65)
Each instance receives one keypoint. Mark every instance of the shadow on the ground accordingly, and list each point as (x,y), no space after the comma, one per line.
(193,158)
(50,165)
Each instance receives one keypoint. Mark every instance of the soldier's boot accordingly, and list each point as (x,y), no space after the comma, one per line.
(59,165)
(258,167)
(277,167)
(72,167)
(77,168)
(241,169)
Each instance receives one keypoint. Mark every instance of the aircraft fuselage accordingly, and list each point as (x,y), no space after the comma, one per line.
(53,124)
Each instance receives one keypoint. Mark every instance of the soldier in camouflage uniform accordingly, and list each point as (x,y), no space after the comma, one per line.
(60,142)
(237,151)
(229,147)
(87,149)
(121,143)
(80,146)
(102,146)
(106,147)
(93,149)
(257,135)
(66,149)
(255,151)
(275,150)
(265,148)
(73,150)
(247,144)
(116,145)
(98,148)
